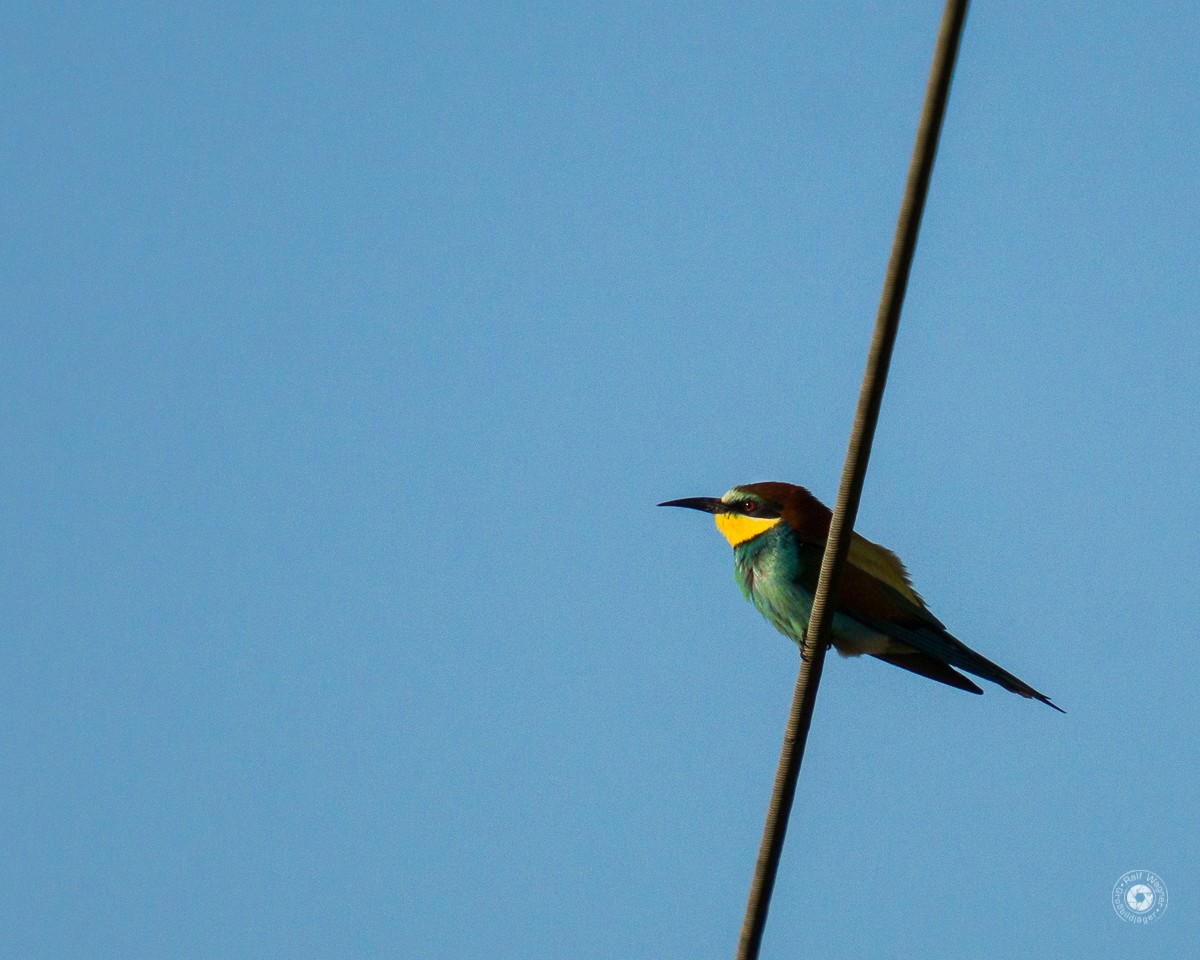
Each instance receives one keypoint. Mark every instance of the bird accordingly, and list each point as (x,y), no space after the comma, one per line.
(778,533)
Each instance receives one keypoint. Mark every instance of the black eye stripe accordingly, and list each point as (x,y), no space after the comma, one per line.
(755,509)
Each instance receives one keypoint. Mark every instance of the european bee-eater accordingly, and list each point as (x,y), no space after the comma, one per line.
(778,534)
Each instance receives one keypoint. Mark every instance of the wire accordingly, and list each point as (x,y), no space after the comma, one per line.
(853,474)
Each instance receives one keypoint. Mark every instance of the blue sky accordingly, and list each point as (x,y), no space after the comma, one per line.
(345,354)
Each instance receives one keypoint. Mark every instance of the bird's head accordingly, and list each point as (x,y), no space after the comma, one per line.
(744,512)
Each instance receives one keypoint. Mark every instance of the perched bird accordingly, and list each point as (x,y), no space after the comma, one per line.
(778,534)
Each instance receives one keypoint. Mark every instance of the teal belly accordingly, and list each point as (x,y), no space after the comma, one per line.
(768,569)
(778,580)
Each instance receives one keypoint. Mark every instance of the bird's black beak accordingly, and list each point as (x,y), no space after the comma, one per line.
(707,504)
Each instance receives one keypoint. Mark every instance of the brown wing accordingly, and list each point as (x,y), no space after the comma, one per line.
(859,592)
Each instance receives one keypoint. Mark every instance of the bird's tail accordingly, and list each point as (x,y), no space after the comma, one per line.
(931,667)
(951,650)
(930,643)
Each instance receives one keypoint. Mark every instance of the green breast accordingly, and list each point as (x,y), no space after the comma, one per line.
(773,575)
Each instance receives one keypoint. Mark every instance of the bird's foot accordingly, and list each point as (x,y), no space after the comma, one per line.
(806,650)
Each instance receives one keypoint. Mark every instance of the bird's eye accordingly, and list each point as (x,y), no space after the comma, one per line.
(749,506)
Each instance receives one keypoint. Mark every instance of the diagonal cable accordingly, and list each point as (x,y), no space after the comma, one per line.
(853,474)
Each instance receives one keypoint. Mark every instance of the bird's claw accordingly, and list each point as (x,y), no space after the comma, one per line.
(805,652)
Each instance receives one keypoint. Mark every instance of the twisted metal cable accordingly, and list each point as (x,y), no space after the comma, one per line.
(853,474)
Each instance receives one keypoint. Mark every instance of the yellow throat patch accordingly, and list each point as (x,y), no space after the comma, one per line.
(738,529)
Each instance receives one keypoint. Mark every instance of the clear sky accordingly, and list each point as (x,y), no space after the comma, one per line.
(345,353)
